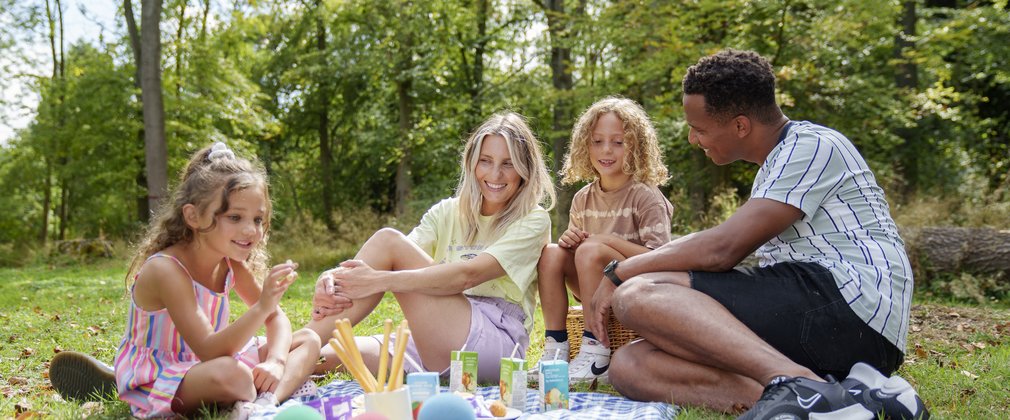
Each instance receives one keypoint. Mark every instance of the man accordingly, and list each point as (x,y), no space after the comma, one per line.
(833,289)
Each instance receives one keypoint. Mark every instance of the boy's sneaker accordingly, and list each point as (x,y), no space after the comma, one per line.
(801,398)
(892,397)
(553,350)
(77,376)
(592,362)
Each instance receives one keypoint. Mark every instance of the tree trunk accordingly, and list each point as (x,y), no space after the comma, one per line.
(325,145)
(143,207)
(477,75)
(953,250)
(562,33)
(906,78)
(404,183)
(155,150)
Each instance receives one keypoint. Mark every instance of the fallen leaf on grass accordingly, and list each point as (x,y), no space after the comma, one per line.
(21,407)
(29,415)
(969,374)
(920,352)
(916,329)
(953,314)
(17,380)
(27,351)
(979,345)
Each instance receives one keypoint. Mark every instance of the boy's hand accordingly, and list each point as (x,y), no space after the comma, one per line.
(572,238)
(277,282)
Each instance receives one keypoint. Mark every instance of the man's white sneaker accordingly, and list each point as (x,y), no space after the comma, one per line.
(592,362)
(553,350)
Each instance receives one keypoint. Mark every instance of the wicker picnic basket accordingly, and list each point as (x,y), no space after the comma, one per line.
(619,335)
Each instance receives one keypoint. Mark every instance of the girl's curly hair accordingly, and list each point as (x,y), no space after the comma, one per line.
(201,182)
(643,159)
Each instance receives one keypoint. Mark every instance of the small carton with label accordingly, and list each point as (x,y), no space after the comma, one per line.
(463,371)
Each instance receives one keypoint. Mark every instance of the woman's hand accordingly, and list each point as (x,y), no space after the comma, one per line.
(572,238)
(277,282)
(327,300)
(267,375)
(356,279)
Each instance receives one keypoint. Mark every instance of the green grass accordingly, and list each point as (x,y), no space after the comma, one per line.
(961,366)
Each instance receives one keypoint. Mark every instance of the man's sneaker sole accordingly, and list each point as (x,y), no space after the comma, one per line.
(893,397)
(77,376)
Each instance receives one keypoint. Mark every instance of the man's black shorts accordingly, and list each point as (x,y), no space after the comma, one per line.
(797,308)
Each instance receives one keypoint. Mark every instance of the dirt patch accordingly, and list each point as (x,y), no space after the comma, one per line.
(937,329)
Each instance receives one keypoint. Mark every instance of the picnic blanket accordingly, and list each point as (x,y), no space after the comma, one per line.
(582,405)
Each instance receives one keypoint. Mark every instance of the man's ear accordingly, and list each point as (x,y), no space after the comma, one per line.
(191,215)
(742,125)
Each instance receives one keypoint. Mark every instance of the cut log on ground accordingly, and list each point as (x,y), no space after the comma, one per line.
(939,250)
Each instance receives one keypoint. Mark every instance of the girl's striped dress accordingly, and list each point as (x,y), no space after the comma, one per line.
(153,358)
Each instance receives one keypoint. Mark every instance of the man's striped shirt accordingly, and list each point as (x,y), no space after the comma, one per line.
(846,227)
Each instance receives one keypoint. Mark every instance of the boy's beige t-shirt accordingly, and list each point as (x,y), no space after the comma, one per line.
(636,212)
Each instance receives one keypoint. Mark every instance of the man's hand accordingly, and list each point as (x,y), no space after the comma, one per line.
(596,321)
(327,299)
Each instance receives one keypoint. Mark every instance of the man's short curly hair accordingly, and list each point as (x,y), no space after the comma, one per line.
(734,82)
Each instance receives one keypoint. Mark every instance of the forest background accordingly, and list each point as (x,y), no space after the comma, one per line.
(358,109)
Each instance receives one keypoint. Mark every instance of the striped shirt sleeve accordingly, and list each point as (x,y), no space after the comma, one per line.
(803,175)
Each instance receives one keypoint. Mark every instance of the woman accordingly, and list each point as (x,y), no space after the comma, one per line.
(466,275)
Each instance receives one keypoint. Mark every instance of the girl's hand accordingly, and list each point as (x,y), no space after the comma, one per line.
(356,280)
(267,375)
(572,238)
(281,276)
(327,299)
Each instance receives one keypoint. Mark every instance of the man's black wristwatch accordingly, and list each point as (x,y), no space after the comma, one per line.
(609,272)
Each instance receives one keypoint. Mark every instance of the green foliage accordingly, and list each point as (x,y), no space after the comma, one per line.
(336,98)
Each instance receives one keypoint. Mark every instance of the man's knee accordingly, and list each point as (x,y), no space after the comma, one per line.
(630,297)
(625,370)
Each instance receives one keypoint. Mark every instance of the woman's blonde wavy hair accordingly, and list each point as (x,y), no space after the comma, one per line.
(202,181)
(527,158)
(643,159)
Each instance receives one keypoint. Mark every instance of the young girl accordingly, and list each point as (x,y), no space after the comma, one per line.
(179,351)
(466,275)
(621,213)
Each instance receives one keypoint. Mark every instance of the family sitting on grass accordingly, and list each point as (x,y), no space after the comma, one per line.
(813,332)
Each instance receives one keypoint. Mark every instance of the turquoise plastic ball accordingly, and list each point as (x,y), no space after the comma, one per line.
(299,412)
(446,406)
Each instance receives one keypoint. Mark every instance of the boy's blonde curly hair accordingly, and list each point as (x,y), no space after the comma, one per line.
(643,160)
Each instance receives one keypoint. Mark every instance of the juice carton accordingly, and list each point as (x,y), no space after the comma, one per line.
(554,384)
(512,383)
(463,371)
(422,385)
